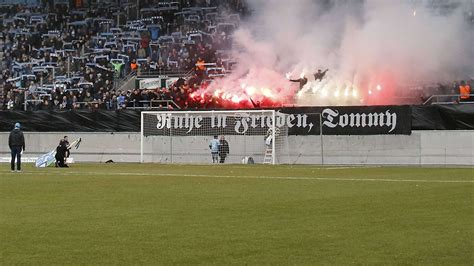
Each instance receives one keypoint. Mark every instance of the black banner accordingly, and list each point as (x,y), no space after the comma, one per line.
(373,120)
(351,120)
(354,120)
(207,124)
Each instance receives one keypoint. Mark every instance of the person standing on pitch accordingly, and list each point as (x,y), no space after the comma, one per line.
(223,149)
(16,142)
(214,146)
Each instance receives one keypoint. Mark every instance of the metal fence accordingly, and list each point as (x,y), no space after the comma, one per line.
(448,99)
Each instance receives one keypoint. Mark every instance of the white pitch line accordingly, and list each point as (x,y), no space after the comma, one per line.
(252,177)
(347,167)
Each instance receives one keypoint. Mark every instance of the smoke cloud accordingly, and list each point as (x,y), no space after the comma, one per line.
(362,43)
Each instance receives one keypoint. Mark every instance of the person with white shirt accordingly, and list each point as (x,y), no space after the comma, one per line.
(214,147)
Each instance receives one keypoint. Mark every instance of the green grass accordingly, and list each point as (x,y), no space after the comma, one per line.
(236,214)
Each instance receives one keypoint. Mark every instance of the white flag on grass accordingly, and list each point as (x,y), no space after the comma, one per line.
(47,159)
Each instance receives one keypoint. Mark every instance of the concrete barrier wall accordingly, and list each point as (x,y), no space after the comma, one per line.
(420,148)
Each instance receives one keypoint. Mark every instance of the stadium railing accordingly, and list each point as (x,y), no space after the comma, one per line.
(155,73)
(154,104)
(118,83)
(134,105)
(447,99)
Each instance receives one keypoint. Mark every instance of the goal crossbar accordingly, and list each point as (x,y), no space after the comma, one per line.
(181,136)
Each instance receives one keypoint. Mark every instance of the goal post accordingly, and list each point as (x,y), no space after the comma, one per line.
(197,137)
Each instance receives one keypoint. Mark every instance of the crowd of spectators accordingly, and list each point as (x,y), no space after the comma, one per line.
(447,93)
(71,57)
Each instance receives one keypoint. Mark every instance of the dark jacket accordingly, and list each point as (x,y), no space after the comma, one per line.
(302,81)
(320,75)
(16,138)
(223,147)
(68,152)
(61,151)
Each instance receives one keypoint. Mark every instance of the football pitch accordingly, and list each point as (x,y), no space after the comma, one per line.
(236,214)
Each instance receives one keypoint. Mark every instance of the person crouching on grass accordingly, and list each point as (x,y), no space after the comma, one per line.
(61,151)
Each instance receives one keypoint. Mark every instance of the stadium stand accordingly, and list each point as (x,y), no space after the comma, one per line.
(61,55)
(68,55)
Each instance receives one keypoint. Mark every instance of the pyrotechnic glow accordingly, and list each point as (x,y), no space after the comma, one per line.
(235,99)
(316,86)
(250,90)
(354,93)
(352,48)
(267,92)
(324,93)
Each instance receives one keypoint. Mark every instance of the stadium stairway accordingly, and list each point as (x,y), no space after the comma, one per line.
(126,83)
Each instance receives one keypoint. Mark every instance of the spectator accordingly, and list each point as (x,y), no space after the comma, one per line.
(117,65)
(200,65)
(134,66)
(74,52)
(464,91)
(121,101)
(113,103)
(320,74)
(45,105)
(141,53)
(135,98)
(75,103)
(200,68)
(65,104)
(87,99)
(302,81)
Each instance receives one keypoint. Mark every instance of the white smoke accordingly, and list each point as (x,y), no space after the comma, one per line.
(363,42)
(412,43)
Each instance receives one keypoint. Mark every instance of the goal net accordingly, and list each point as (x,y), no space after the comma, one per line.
(199,137)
